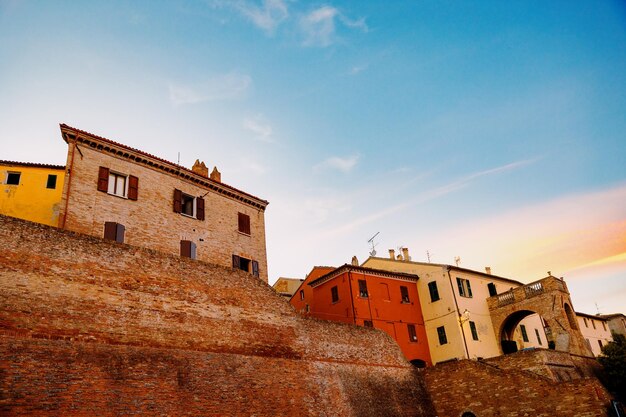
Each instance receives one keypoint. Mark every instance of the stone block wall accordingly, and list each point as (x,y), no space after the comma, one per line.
(90,327)
(488,391)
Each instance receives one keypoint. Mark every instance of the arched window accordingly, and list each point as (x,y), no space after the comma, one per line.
(468,414)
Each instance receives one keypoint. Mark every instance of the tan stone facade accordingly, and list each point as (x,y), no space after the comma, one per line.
(148,213)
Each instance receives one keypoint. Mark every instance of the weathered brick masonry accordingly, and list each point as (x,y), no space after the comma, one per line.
(488,391)
(89,327)
(150,220)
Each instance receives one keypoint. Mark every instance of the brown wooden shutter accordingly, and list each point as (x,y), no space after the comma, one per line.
(133,187)
(103,179)
(244,223)
(236,262)
(110,230)
(185,248)
(200,208)
(119,233)
(255,268)
(178,201)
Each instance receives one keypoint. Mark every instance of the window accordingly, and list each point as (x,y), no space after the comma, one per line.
(302,294)
(244,223)
(188,205)
(585,320)
(307,309)
(115,183)
(465,289)
(368,323)
(492,289)
(404,294)
(334,294)
(538,338)
(604,326)
(412,333)
(13,178)
(600,343)
(114,231)
(362,288)
(52,181)
(187,249)
(244,264)
(524,334)
(593,323)
(473,329)
(434,292)
(441,332)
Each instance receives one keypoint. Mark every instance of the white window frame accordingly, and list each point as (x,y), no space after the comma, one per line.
(112,185)
(193,205)
(6,179)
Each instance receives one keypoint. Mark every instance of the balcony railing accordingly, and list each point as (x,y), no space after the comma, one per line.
(505,298)
(533,289)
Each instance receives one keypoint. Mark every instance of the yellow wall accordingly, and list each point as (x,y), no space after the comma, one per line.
(30,199)
(444,312)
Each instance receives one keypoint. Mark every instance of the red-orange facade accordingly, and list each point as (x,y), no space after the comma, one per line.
(368,297)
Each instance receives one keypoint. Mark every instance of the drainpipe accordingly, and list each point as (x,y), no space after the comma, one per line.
(351,296)
(69,183)
(458,312)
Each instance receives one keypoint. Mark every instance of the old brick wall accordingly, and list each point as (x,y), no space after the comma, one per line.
(150,221)
(89,327)
(486,390)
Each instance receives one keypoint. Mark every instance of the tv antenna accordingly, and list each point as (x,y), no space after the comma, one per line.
(373,245)
(457,260)
(428,255)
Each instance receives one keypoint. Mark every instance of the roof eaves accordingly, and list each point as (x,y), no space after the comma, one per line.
(64,127)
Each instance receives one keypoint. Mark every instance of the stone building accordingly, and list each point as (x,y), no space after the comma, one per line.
(31,191)
(124,194)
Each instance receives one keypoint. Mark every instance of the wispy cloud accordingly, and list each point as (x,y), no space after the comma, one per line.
(343,164)
(423,197)
(231,86)
(260,127)
(319,25)
(357,69)
(266,16)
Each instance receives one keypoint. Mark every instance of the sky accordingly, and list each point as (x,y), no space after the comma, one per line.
(490,131)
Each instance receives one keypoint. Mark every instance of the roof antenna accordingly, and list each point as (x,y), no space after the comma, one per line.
(373,245)
(597,308)
(178,158)
(457,260)
(428,255)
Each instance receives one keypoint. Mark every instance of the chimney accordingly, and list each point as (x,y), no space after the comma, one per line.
(488,270)
(355,261)
(392,254)
(200,169)
(405,254)
(216,175)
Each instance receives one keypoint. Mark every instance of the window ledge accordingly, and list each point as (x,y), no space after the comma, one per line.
(244,234)
(118,196)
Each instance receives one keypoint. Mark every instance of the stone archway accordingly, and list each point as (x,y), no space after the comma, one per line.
(507,330)
(550,299)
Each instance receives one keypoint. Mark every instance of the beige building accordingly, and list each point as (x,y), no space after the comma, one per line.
(456,315)
(124,194)
(617,323)
(287,287)
(595,330)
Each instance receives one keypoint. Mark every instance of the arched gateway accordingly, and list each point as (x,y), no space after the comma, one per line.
(550,299)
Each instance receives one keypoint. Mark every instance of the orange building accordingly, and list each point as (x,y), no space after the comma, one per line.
(368,297)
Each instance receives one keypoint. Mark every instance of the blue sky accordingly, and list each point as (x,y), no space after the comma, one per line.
(492,131)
